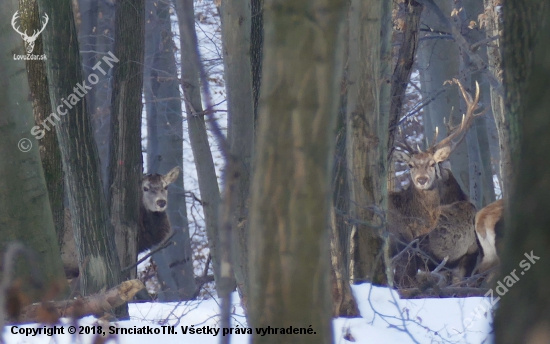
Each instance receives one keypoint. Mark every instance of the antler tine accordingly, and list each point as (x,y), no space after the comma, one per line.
(404,144)
(467,119)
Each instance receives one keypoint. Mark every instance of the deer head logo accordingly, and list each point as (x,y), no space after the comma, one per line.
(29,40)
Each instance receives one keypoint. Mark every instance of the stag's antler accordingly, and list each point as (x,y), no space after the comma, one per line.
(404,144)
(467,119)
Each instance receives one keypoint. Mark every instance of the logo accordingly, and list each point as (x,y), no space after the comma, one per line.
(29,40)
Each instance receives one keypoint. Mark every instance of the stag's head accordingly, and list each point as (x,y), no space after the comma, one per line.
(29,40)
(155,189)
(424,165)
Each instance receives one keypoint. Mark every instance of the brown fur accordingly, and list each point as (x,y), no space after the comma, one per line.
(442,218)
(154,227)
(488,225)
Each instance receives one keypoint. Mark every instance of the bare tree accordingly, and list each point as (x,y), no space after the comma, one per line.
(49,148)
(98,261)
(289,241)
(125,168)
(25,213)
(367,124)
(206,173)
(165,147)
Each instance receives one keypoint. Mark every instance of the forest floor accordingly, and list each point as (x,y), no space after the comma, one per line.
(385,319)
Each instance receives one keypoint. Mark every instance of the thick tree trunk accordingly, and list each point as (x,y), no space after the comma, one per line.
(98,261)
(236,23)
(367,138)
(165,150)
(198,137)
(526,59)
(25,213)
(289,239)
(125,168)
(48,146)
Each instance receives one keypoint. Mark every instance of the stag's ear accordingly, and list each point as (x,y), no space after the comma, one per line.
(169,177)
(401,156)
(442,153)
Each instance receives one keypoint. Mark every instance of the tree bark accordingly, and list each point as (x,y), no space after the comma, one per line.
(98,261)
(125,168)
(289,241)
(25,213)
(198,137)
(165,150)
(367,139)
(526,59)
(236,24)
(48,147)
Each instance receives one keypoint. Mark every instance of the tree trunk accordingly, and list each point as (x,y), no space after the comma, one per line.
(236,25)
(438,61)
(125,168)
(256,49)
(343,301)
(367,138)
(98,261)
(175,263)
(48,146)
(25,213)
(289,236)
(98,45)
(491,24)
(526,59)
(198,137)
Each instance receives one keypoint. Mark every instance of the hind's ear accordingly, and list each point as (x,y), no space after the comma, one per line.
(171,176)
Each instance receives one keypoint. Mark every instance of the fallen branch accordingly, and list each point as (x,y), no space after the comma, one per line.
(96,304)
(416,293)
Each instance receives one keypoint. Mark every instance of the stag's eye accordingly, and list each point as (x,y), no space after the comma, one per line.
(145,189)
(411,166)
(432,163)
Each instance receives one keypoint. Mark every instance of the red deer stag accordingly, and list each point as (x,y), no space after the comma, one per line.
(434,208)
(489,228)
(153,222)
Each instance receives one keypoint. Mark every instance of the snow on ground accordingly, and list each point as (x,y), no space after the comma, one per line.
(385,319)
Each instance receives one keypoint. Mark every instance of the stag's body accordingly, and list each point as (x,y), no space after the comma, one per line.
(154,225)
(434,209)
(441,218)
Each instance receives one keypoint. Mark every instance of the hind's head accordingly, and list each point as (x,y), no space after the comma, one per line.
(155,194)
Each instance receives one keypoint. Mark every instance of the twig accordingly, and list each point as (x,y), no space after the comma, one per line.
(163,244)
(463,44)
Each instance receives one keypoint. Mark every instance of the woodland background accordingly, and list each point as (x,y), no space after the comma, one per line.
(290,111)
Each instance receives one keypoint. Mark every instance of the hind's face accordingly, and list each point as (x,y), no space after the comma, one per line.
(155,195)
(155,190)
